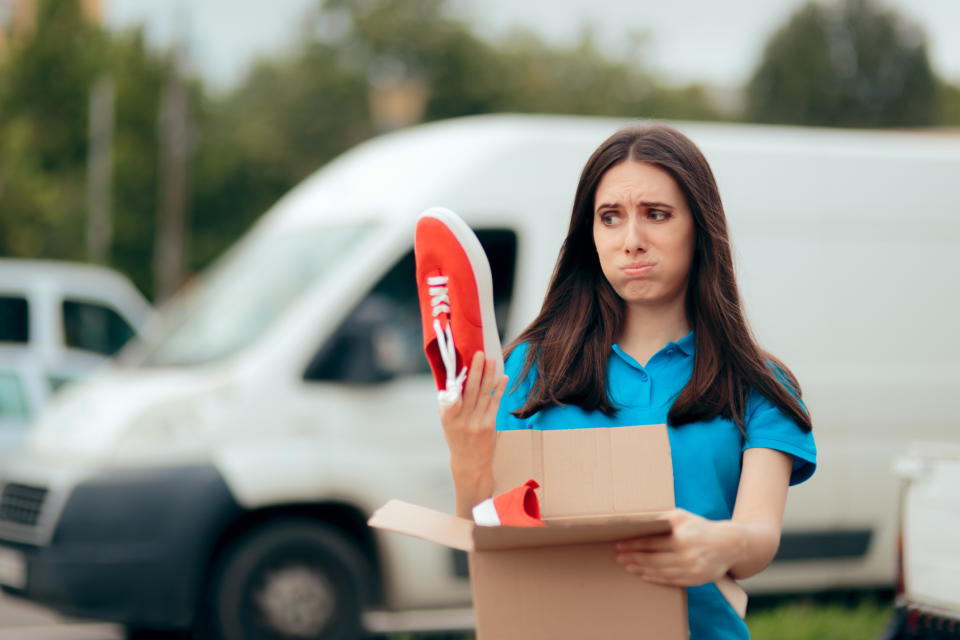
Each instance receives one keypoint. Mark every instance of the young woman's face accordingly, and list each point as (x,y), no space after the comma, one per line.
(644,233)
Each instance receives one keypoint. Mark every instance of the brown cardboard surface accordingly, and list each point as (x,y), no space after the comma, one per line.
(561,582)
(556,593)
(589,471)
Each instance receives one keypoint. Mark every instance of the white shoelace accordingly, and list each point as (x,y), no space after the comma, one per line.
(440,303)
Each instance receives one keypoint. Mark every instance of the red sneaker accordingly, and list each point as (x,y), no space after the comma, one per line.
(456,300)
(518,507)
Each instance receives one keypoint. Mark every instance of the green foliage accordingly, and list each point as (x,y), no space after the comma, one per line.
(797,620)
(139,77)
(43,128)
(850,64)
(950,104)
(289,118)
(294,114)
(807,621)
(44,99)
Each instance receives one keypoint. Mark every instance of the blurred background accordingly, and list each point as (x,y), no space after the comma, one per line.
(147,136)
(214,109)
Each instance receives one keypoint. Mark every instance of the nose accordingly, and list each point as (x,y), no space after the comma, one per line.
(635,240)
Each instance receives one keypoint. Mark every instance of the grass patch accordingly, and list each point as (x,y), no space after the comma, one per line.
(817,621)
(861,619)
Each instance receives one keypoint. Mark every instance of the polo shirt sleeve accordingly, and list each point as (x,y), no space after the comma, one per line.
(768,427)
(516,394)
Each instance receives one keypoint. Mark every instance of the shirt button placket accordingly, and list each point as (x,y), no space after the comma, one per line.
(645,382)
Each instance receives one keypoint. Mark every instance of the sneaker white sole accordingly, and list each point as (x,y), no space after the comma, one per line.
(481,273)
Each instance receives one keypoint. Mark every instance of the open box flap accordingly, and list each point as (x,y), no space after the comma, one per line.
(427,524)
(460,533)
(568,532)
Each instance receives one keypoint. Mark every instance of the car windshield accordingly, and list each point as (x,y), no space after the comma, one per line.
(241,299)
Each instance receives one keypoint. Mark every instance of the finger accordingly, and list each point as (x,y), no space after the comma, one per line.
(493,403)
(651,560)
(451,412)
(648,543)
(489,377)
(474,376)
(676,516)
(659,578)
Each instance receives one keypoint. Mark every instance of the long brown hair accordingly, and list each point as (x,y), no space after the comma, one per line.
(570,340)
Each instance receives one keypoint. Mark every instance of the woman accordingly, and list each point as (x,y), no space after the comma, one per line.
(642,324)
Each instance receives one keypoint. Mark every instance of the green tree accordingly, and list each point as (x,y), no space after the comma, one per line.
(288,118)
(950,104)
(854,63)
(43,102)
(139,75)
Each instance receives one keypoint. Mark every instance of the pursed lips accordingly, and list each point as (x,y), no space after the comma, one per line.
(638,269)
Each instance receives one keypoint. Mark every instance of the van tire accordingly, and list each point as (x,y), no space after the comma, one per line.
(293,580)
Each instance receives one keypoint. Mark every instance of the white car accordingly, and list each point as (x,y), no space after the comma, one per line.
(58,322)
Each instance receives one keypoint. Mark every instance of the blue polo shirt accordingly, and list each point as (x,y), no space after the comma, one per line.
(706,455)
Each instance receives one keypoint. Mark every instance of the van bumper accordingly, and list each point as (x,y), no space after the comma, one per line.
(130,546)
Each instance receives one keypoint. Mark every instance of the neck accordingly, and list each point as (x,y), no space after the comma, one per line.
(647,328)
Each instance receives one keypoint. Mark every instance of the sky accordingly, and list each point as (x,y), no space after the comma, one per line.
(685,41)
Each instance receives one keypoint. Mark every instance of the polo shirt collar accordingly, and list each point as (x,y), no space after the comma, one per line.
(685,344)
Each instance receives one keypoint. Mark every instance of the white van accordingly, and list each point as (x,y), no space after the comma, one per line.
(224,473)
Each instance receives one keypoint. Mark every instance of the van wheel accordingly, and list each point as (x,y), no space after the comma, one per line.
(293,580)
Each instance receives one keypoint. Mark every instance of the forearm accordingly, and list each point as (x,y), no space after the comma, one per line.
(751,545)
(473,485)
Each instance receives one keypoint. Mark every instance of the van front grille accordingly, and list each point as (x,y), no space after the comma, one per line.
(21,503)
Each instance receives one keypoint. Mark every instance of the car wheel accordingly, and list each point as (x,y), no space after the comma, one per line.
(292,580)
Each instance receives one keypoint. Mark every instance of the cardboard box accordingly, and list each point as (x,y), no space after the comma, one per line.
(562,581)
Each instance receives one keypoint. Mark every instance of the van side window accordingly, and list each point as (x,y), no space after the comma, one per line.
(14,319)
(382,336)
(94,327)
(13,400)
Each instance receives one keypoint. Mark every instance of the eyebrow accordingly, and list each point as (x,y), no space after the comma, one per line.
(647,204)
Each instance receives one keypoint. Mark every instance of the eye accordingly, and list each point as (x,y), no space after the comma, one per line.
(658,215)
(609,218)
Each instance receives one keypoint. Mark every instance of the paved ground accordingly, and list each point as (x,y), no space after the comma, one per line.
(20,620)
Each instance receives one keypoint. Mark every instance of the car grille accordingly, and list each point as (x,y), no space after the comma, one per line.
(21,503)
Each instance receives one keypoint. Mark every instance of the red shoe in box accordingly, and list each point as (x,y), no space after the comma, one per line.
(456,300)
(518,507)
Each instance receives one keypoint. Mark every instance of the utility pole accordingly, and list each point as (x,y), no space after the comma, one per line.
(174,139)
(100,170)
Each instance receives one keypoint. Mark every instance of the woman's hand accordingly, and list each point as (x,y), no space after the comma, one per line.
(696,552)
(469,427)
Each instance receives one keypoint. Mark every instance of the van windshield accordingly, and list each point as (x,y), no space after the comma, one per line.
(241,299)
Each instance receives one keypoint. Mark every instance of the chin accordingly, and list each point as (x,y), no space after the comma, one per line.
(646,295)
